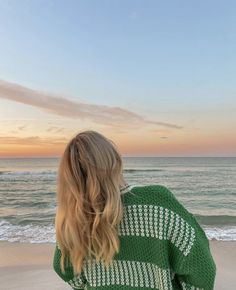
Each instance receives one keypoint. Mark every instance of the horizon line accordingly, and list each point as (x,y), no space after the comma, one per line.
(54,157)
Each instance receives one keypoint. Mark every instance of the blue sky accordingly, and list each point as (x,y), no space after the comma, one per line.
(173,59)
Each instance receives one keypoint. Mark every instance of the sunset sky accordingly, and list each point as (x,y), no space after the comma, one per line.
(156,77)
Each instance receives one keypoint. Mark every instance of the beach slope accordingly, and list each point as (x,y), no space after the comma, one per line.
(29,266)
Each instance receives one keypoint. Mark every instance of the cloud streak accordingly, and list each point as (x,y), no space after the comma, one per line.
(22,128)
(61,106)
(55,129)
(32,141)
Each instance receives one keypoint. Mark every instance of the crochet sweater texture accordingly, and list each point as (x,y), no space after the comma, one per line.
(162,246)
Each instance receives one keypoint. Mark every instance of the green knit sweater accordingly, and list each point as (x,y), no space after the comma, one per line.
(162,246)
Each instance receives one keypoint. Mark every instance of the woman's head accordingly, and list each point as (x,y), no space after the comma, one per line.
(89,203)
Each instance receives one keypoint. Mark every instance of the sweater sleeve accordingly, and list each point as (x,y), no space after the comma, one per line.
(197,269)
(76,282)
(191,261)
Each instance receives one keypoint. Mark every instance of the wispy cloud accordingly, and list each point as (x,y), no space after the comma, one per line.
(55,129)
(32,140)
(61,106)
(133,15)
(21,128)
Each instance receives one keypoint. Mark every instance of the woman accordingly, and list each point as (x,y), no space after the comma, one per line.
(113,235)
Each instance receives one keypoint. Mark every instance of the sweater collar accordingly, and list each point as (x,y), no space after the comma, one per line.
(125,188)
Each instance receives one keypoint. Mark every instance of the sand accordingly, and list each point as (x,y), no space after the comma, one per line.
(29,266)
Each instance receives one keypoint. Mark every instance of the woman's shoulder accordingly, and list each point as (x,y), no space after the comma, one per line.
(161,196)
(148,188)
(156,193)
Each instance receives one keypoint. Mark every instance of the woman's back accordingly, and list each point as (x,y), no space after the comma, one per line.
(162,246)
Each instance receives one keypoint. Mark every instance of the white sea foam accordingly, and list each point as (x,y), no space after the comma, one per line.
(221,234)
(27,233)
(46,233)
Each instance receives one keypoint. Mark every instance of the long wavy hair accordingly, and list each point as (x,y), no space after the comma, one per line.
(89,205)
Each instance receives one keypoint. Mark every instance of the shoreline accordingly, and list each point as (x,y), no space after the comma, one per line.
(31,266)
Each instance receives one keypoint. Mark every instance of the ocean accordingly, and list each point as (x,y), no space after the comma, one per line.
(206,186)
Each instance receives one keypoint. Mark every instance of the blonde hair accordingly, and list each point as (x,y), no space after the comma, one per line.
(89,205)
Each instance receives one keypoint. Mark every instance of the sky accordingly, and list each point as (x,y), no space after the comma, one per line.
(156,77)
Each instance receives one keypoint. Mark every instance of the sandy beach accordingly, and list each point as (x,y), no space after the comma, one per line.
(29,266)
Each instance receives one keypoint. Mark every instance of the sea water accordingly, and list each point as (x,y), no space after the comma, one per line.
(206,186)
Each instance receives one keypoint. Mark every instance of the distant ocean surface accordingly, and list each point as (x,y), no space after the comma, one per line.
(206,186)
